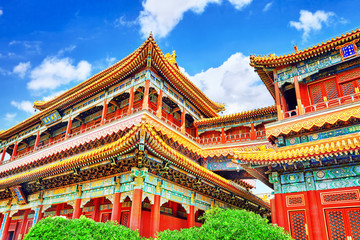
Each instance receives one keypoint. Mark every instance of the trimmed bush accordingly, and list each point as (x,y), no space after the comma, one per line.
(229,224)
(59,228)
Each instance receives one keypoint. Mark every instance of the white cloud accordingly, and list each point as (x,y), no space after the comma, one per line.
(1,12)
(54,72)
(30,46)
(309,21)
(10,117)
(239,4)
(267,7)
(25,106)
(161,16)
(110,60)
(234,83)
(22,68)
(65,50)
(121,21)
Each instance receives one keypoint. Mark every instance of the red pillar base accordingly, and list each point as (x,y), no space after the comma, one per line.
(191,216)
(135,215)
(155,216)
(77,209)
(115,213)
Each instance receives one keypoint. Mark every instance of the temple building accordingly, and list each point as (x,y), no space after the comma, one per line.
(314,159)
(140,144)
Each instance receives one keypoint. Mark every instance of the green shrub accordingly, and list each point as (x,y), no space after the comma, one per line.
(229,225)
(59,228)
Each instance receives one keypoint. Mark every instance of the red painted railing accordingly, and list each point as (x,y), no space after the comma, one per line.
(166,118)
(325,105)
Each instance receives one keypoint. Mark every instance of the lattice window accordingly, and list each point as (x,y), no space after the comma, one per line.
(316,94)
(298,227)
(354,216)
(125,219)
(336,197)
(297,200)
(331,90)
(336,225)
(347,88)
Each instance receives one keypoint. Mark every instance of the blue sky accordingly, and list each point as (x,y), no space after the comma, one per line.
(47,47)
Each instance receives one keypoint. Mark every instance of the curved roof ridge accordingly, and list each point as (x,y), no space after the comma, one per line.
(306,53)
(244,114)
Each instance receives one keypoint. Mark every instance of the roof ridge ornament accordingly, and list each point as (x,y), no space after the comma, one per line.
(171,58)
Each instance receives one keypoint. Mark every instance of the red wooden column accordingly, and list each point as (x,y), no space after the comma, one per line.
(58,209)
(131,101)
(68,128)
(14,153)
(280,213)
(77,207)
(135,214)
(155,212)
(183,121)
(5,225)
(37,140)
(24,223)
(277,101)
(298,96)
(159,105)
(191,215)
(318,230)
(97,209)
(3,154)
(145,104)
(104,112)
(273,211)
(252,132)
(115,212)
(223,137)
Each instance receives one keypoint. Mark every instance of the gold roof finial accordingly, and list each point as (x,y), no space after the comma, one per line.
(296,49)
(171,58)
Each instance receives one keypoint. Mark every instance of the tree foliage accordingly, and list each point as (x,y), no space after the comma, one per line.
(219,225)
(59,228)
(229,225)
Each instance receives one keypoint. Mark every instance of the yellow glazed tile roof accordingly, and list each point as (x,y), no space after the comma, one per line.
(120,70)
(240,115)
(318,121)
(122,146)
(301,151)
(273,61)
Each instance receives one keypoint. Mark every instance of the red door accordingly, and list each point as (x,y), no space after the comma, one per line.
(125,216)
(343,224)
(298,225)
(105,217)
(28,226)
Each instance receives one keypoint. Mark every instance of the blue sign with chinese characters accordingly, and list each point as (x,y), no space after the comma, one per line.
(348,51)
(53,117)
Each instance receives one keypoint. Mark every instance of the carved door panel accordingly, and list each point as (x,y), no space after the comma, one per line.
(28,226)
(298,225)
(335,220)
(343,224)
(354,220)
(125,217)
(105,217)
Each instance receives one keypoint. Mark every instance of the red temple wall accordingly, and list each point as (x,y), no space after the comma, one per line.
(313,204)
(171,222)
